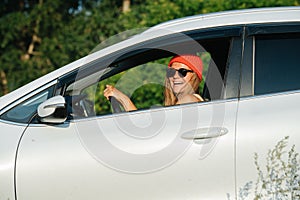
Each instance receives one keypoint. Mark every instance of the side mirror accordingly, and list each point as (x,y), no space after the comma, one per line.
(53,110)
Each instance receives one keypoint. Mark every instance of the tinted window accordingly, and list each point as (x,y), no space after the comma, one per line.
(277,63)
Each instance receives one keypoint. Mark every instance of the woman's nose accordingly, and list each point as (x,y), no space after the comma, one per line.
(176,75)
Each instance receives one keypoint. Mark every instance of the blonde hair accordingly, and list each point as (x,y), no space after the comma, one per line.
(170,97)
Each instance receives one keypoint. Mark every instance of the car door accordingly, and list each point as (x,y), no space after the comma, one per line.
(268,116)
(176,152)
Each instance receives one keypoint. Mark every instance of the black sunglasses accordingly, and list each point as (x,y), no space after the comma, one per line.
(181,72)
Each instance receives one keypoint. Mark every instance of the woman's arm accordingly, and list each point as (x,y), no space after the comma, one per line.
(124,100)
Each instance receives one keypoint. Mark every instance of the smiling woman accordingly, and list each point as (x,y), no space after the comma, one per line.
(182,87)
(183,76)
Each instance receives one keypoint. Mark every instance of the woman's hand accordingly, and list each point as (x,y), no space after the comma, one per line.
(125,101)
(111,91)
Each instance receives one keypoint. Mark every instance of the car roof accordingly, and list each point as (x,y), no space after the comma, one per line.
(202,21)
(234,17)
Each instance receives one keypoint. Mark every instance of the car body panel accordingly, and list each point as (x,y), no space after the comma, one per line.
(64,162)
(264,121)
(8,148)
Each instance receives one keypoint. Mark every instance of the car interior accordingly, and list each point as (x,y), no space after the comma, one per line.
(82,101)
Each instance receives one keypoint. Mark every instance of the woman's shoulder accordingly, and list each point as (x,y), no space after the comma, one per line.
(190,98)
(198,97)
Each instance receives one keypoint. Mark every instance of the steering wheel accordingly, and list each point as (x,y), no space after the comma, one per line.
(115,105)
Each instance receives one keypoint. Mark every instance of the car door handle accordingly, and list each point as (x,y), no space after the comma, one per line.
(204,133)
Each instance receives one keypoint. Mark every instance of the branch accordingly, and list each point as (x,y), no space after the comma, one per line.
(126,6)
(3,82)
(35,39)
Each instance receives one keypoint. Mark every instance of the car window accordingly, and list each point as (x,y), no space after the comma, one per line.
(144,84)
(23,112)
(140,74)
(277,63)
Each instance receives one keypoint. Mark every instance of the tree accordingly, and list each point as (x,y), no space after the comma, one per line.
(25,37)
(38,36)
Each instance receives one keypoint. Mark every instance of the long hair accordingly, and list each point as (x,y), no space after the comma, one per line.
(170,97)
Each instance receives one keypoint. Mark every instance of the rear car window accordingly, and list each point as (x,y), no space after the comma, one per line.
(277,63)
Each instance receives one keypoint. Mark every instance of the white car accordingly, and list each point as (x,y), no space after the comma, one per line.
(60,139)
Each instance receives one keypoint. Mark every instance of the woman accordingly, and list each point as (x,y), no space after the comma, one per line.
(183,77)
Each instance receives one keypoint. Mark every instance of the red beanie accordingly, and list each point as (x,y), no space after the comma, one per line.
(192,61)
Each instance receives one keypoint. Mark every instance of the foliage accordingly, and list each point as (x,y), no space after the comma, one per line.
(280,179)
(220,5)
(39,36)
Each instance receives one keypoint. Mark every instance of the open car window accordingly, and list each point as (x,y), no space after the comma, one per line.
(140,74)
(143,84)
